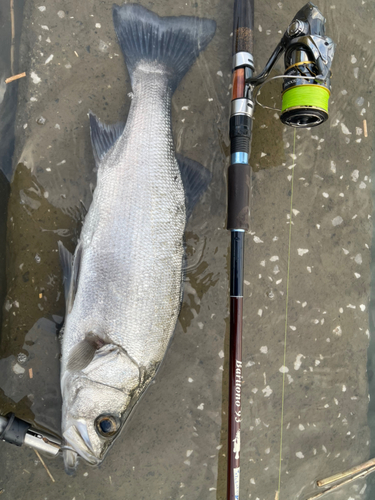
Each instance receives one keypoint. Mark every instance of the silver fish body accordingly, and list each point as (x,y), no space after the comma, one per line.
(123,285)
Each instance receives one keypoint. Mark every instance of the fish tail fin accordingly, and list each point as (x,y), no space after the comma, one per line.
(173,42)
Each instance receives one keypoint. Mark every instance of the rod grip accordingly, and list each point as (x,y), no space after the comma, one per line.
(238,196)
(14,431)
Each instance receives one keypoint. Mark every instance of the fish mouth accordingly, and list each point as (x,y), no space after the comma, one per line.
(78,444)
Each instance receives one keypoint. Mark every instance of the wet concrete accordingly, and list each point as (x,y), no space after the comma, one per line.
(11,18)
(4,196)
(174,445)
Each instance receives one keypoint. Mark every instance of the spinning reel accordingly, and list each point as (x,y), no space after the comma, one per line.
(308,55)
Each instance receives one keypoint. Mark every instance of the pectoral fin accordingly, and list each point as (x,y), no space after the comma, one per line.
(81,355)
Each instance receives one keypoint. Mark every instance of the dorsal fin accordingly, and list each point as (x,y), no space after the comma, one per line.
(195,179)
(103,137)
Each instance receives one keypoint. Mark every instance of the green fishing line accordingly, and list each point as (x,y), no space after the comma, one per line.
(314,96)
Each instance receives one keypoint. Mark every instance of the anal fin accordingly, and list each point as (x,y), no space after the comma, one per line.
(195,179)
(103,137)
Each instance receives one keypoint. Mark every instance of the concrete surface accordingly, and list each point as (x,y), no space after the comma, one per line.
(175,443)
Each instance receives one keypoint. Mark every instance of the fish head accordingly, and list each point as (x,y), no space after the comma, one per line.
(92,419)
(96,403)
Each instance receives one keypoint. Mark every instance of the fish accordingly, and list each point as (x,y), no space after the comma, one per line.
(124,283)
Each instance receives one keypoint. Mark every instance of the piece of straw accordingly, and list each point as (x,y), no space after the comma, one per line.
(15,77)
(336,486)
(31,373)
(44,465)
(343,475)
(13,31)
(365,128)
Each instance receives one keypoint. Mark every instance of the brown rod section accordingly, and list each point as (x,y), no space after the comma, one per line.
(235,381)
(238,83)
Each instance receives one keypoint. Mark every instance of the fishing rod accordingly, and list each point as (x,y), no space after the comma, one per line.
(15,431)
(308,55)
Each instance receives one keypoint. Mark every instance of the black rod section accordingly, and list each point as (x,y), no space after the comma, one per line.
(237,263)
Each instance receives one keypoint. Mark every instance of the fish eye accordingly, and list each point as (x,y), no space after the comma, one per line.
(107,425)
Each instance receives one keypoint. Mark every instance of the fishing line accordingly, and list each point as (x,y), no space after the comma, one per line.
(286,315)
(304,95)
(66,447)
(313,96)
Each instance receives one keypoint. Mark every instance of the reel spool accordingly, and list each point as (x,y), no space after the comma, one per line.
(305,105)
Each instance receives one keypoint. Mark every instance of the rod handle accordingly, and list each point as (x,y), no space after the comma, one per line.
(14,430)
(238,196)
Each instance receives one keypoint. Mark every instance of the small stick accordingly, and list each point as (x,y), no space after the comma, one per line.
(365,128)
(15,77)
(76,53)
(31,373)
(336,486)
(354,470)
(13,35)
(44,465)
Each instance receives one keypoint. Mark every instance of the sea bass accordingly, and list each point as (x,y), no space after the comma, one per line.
(123,285)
